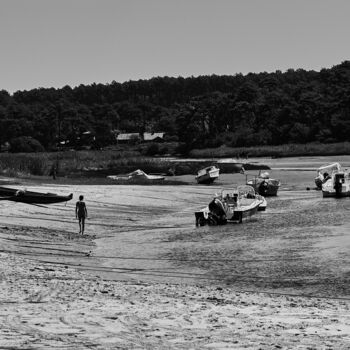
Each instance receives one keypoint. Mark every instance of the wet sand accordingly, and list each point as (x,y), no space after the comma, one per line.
(144,277)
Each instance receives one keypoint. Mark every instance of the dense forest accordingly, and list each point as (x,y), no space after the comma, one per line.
(296,106)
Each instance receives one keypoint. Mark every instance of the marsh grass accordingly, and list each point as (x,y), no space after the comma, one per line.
(97,163)
(94,164)
(115,162)
(24,164)
(288,150)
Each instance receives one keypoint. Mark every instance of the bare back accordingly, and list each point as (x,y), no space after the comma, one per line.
(81,209)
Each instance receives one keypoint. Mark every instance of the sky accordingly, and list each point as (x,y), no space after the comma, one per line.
(53,43)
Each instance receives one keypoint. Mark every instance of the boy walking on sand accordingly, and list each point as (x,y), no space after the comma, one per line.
(81,213)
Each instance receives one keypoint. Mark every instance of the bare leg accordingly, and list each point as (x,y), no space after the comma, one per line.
(82,225)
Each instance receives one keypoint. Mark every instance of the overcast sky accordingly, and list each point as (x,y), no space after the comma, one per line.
(53,43)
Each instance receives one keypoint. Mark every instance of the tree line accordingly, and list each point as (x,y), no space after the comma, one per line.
(296,106)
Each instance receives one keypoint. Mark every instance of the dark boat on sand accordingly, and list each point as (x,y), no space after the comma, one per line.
(31,197)
(264,185)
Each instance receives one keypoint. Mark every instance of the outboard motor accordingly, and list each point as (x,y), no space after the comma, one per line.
(218,212)
(263,188)
(319,181)
(338,184)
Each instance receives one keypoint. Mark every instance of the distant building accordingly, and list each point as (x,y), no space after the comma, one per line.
(153,137)
(135,137)
(128,138)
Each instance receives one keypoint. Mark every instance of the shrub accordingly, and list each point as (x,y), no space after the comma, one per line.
(163,150)
(25,144)
(152,149)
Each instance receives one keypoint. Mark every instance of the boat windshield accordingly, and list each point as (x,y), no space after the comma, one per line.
(329,168)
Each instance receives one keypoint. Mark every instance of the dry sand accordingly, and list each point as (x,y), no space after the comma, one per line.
(52,307)
(145,278)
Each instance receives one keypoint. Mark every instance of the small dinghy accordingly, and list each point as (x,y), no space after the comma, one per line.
(137,175)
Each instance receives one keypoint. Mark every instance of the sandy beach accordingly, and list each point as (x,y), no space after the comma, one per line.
(55,307)
(144,277)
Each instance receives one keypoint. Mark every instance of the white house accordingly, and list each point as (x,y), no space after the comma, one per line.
(153,137)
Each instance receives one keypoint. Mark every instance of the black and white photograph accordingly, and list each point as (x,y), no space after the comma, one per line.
(174,174)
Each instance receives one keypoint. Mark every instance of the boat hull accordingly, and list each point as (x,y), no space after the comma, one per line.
(263,204)
(31,197)
(207,175)
(149,178)
(240,215)
(329,194)
(206,179)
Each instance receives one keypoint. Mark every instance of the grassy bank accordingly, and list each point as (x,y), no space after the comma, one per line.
(100,164)
(289,150)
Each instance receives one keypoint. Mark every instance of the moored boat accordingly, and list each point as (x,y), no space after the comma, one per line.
(208,175)
(231,205)
(264,185)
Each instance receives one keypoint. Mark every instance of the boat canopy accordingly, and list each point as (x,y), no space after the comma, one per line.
(265,175)
(329,167)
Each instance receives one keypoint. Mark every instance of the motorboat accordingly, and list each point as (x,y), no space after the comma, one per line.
(264,185)
(31,197)
(137,175)
(208,175)
(325,172)
(337,185)
(231,205)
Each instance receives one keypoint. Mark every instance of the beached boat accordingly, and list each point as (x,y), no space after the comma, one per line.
(231,165)
(232,205)
(337,185)
(208,175)
(263,184)
(137,175)
(325,172)
(31,197)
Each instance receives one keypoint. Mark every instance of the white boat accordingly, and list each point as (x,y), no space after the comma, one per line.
(337,185)
(137,175)
(232,205)
(208,175)
(325,172)
(264,185)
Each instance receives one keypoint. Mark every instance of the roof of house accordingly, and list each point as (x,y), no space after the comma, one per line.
(148,136)
(131,136)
